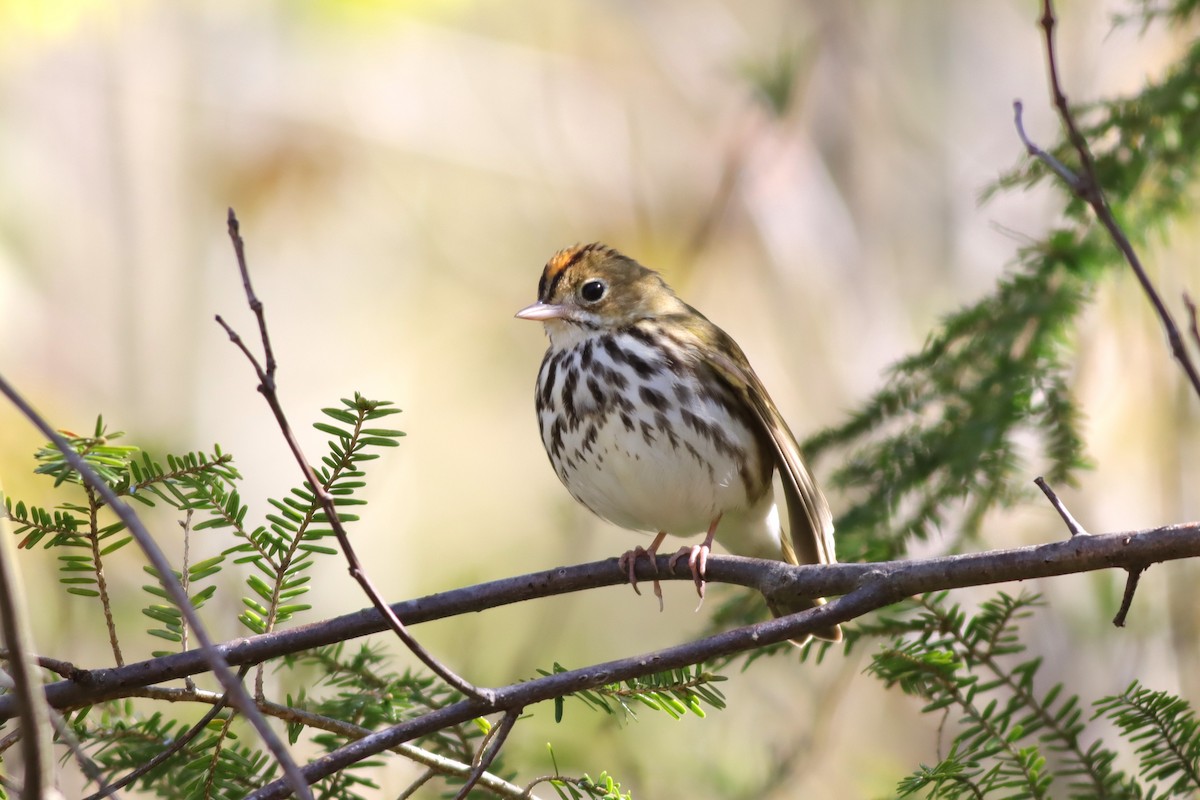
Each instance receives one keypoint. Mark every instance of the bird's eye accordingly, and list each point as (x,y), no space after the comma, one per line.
(592,291)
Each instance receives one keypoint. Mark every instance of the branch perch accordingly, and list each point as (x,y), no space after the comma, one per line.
(893,580)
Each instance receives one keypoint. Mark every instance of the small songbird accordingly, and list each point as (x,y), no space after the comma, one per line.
(655,421)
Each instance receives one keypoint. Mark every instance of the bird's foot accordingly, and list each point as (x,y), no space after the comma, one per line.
(697,556)
(628,562)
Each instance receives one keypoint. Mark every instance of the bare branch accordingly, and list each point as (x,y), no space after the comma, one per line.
(1087,187)
(1056,166)
(1131,583)
(1193,329)
(64,668)
(266,386)
(416,785)
(489,750)
(1132,549)
(869,587)
(1072,526)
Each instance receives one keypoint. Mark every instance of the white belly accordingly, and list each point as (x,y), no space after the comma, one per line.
(647,450)
(639,480)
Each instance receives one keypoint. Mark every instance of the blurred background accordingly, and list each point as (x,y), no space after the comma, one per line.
(806,173)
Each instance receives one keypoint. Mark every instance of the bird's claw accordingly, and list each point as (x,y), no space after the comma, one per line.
(628,562)
(697,556)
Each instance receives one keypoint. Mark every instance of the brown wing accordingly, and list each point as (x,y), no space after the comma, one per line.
(808,512)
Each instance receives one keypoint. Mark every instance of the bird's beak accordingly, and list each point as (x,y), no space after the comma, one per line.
(540,312)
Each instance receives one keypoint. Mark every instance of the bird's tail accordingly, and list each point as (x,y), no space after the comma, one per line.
(759,536)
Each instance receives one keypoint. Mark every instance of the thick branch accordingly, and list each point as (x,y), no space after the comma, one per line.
(1132,550)
(866,587)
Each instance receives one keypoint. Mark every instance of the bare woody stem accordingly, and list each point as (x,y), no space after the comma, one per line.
(266,386)
(98,571)
(1086,186)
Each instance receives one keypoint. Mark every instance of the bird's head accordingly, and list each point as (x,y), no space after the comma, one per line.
(591,287)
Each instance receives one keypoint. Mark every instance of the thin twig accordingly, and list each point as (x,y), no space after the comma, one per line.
(1086,186)
(266,386)
(1060,169)
(185,577)
(1192,326)
(55,665)
(1072,525)
(411,791)
(488,750)
(211,654)
(93,539)
(1131,584)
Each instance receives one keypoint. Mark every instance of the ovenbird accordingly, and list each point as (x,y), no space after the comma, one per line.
(654,420)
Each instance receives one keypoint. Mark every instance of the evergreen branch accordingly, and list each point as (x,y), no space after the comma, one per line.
(995,625)
(933,675)
(41,522)
(97,451)
(295,526)
(126,742)
(177,744)
(944,428)
(97,564)
(214,760)
(191,466)
(675,692)
(602,788)
(1167,731)
(295,715)
(209,650)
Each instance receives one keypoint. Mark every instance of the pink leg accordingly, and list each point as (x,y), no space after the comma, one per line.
(698,558)
(628,561)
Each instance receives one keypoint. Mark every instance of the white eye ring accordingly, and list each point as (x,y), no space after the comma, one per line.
(593,290)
